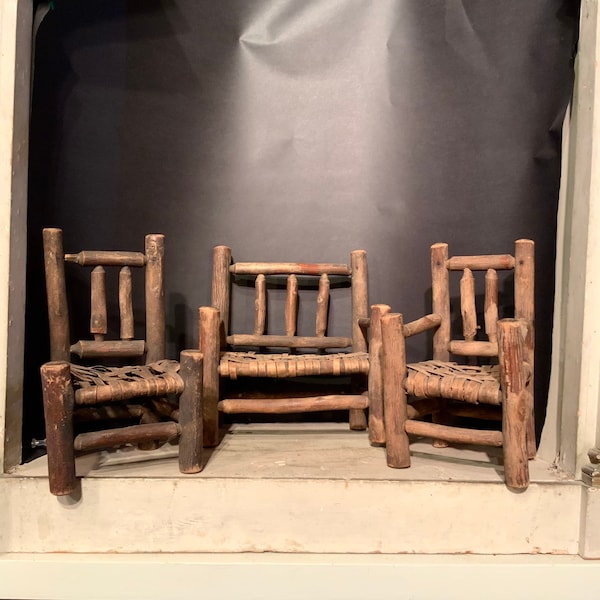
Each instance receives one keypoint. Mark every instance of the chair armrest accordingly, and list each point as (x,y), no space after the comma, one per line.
(425,323)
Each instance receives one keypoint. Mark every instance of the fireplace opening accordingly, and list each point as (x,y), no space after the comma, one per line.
(296,134)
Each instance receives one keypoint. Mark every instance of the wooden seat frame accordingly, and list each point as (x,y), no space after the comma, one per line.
(445,388)
(115,393)
(223,361)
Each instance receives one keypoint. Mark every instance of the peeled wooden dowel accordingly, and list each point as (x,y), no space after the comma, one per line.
(491,305)
(155,297)
(209,321)
(461,348)
(524,309)
(254,268)
(440,300)
(291,305)
(190,413)
(56,293)
(423,324)
(394,395)
(322,305)
(107,258)
(260,305)
(376,422)
(135,434)
(360,310)
(360,301)
(98,303)
(481,262)
(285,341)
(126,304)
(114,348)
(515,411)
(455,435)
(294,405)
(467,305)
(58,412)
(221,287)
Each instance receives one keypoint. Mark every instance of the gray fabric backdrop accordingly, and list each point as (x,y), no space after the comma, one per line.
(299,130)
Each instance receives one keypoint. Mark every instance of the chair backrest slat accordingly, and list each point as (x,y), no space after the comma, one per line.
(291,306)
(98,319)
(467,305)
(126,304)
(490,310)
(322,305)
(260,304)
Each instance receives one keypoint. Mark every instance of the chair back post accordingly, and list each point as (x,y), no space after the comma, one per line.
(524,309)
(221,288)
(440,287)
(155,297)
(360,301)
(56,293)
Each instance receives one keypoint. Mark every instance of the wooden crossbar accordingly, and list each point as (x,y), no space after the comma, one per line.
(293,405)
(491,305)
(107,258)
(98,303)
(256,268)
(115,348)
(288,341)
(126,304)
(481,262)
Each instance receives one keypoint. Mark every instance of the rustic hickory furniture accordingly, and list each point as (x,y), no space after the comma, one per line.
(229,356)
(443,388)
(115,393)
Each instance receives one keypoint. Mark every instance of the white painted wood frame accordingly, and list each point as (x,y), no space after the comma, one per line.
(571,429)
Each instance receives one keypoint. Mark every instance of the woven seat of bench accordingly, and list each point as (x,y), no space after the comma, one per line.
(437,379)
(99,383)
(250,364)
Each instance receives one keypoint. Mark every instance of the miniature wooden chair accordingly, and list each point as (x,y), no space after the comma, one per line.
(115,393)
(225,359)
(442,388)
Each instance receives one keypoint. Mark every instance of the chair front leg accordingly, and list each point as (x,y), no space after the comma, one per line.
(394,394)
(210,347)
(515,407)
(190,412)
(59,400)
(376,424)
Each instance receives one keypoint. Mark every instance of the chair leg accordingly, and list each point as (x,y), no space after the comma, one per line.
(190,412)
(210,346)
(376,427)
(515,409)
(394,395)
(59,399)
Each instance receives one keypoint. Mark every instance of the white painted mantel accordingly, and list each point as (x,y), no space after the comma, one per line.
(558,515)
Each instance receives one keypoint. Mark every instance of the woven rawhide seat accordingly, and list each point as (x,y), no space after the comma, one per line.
(100,383)
(251,364)
(437,379)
